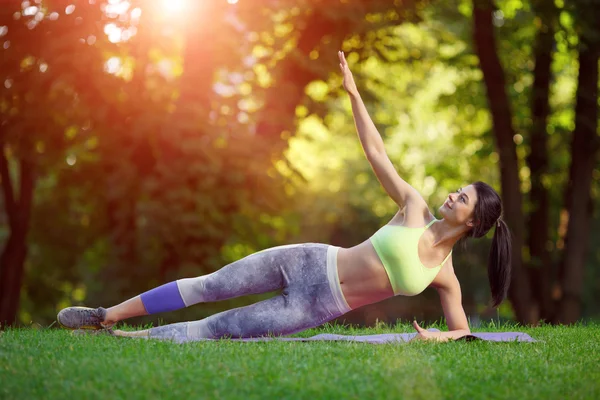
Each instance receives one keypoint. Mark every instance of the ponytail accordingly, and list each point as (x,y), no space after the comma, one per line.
(499,264)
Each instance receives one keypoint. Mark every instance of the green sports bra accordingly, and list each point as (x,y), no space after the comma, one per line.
(398,248)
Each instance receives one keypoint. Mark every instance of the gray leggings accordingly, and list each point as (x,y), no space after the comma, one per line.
(310,295)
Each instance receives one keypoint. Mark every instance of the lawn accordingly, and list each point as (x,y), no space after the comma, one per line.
(53,364)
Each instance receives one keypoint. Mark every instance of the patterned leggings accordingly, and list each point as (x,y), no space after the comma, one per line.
(310,295)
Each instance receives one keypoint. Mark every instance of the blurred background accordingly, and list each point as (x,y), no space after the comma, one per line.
(147,141)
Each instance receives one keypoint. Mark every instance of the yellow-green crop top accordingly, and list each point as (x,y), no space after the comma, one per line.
(398,248)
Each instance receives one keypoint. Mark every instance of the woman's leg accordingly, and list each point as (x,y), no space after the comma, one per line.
(302,308)
(313,298)
(260,272)
(257,273)
(272,315)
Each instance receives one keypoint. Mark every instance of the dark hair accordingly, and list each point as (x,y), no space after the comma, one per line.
(488,213)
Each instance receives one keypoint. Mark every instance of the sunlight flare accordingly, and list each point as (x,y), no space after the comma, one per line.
(174,6)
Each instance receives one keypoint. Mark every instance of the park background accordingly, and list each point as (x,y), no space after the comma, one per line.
(147,141)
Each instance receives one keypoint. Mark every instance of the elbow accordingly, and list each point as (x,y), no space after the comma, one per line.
(373,154)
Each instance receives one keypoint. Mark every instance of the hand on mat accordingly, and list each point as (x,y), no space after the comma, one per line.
(423,334)
(348,83)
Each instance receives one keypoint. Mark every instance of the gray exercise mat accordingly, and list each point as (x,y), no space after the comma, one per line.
(399,337)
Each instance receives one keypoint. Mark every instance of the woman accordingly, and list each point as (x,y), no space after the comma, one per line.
(321,282)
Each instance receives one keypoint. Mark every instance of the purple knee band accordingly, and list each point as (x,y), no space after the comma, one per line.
(163,298)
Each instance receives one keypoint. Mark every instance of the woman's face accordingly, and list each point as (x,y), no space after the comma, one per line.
(460,205)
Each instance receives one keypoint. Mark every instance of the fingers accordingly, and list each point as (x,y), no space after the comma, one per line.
(342,58)
(417,327)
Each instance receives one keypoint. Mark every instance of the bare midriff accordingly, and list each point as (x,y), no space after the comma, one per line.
(363,278)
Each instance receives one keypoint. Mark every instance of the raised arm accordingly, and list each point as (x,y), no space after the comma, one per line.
(400,191)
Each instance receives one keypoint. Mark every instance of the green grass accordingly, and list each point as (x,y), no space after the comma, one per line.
(51,363)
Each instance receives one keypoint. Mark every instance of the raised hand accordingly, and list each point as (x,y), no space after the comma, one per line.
(348,83)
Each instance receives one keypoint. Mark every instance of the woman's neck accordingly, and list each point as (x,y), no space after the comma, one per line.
(444,234)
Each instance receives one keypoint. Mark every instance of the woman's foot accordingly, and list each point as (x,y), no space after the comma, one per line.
(134,334)
(83,318)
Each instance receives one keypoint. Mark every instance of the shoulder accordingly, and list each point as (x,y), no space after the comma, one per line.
(417,211)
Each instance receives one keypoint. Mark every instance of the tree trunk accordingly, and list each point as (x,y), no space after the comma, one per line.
(12,261)
(584,148)
(539,268)
(13,255)
(187,145)
(493,75)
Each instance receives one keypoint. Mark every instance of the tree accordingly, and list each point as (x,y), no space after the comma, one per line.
(34,70)
(584,150)
(493,74)
(532,283)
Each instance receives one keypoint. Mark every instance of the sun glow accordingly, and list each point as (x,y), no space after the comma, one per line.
(174,6)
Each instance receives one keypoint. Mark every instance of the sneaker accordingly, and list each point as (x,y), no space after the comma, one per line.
(81,317)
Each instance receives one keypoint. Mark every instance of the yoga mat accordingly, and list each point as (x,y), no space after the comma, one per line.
(396,337)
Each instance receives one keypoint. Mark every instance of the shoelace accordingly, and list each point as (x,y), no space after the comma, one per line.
(96,314)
